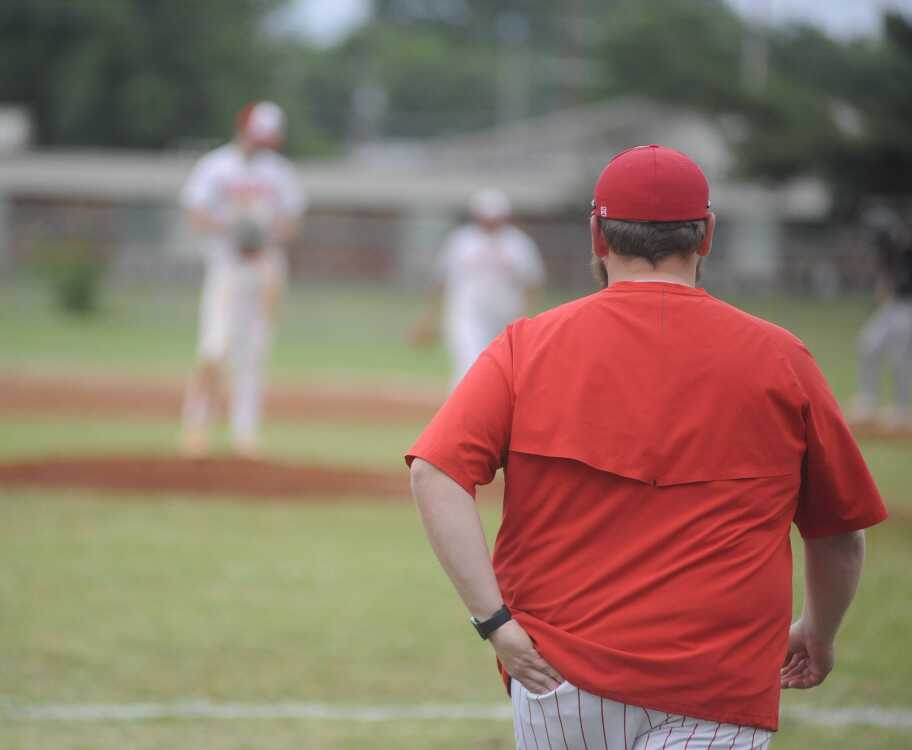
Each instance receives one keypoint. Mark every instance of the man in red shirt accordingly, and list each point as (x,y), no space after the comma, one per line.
(657,444)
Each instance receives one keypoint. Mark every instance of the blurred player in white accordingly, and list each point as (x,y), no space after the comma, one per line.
(244,201)
(486,275)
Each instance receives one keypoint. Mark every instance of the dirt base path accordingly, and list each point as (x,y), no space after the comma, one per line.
(100,396)
(211,476)
(878,432)
(88,397)
(93,397)
(83,396)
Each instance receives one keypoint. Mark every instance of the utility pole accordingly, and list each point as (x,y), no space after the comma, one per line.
(513,77)
(755,45)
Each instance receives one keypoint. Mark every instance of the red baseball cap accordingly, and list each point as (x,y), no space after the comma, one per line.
(651,183)
(263,122)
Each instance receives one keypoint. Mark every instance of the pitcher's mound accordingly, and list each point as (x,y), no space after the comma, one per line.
(210,476)
(121,396)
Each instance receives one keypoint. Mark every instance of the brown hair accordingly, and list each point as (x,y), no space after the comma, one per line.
(653,240)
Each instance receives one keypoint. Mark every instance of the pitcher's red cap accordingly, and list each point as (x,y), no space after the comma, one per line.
(651,183)
(263,122)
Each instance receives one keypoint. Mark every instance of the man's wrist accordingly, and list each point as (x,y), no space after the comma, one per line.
(485,613)
(487,626)
(813,632)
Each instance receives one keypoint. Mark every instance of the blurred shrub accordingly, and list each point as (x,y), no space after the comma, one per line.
(74,272)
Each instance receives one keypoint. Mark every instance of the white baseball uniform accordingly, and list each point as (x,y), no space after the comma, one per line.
(232,188)
(485,276)
(572,719)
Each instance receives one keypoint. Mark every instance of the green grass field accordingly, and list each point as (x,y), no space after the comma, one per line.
(128,599)
(348,332)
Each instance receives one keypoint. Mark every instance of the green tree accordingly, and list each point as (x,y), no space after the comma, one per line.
(148,72)
(133,72)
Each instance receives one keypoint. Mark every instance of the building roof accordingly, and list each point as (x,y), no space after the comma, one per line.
(546,165)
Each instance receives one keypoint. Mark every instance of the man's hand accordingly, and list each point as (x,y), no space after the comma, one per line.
(832,567)
(209,221)
(283,230)
(808,661)
(454,529)
(518,655)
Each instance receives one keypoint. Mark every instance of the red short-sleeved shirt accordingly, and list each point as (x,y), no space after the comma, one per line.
(656,444)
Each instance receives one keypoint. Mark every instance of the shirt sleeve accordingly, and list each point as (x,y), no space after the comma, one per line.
(469,437)
(838,494)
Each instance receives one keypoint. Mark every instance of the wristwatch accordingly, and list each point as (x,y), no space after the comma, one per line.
(486,627)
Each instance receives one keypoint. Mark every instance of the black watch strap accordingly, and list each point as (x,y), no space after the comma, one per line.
(500,617)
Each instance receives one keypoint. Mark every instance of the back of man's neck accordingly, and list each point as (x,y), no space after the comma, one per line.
(663,277)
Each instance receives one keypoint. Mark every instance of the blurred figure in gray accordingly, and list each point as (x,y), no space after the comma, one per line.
(887,336)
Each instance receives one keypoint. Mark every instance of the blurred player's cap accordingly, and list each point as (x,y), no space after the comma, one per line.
(651,183)
(490,205)
(263,123)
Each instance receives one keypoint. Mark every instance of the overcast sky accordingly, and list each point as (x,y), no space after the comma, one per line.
(327,21)
(841,18)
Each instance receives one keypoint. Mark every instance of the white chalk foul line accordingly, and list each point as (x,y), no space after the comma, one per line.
(892,718)
(208,710)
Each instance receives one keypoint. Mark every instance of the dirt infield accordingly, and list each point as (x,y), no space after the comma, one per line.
(216,477)
(93,397)
(83,396)
(211,476)
(876,432)
(86,397)
(74,396)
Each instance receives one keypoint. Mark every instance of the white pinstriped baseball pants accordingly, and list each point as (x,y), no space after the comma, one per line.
(572,719)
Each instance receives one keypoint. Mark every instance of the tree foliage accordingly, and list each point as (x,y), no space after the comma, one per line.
(133,72)
(147,72)
(838,109)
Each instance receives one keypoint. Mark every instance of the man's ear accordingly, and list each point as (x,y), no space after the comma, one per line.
(706,245)
(599,247)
